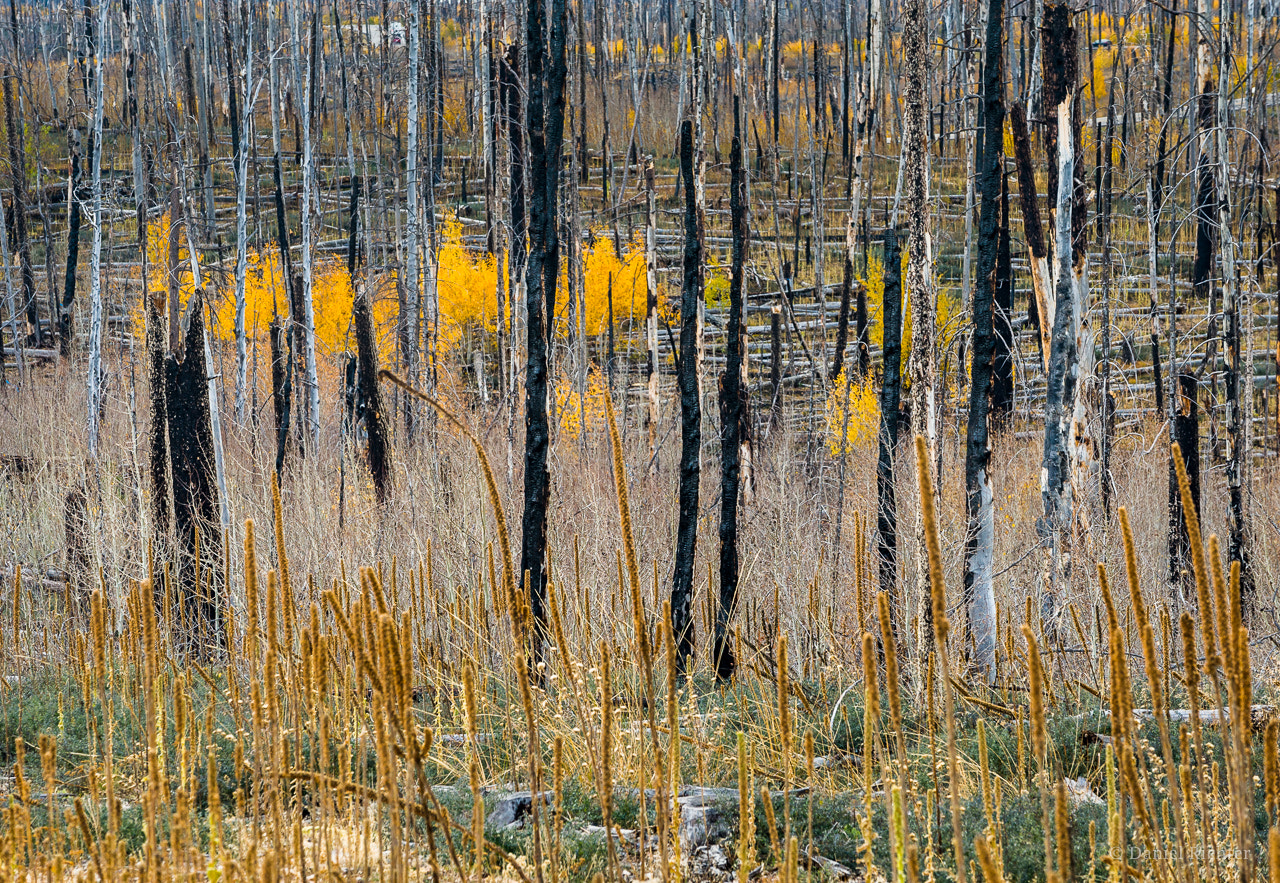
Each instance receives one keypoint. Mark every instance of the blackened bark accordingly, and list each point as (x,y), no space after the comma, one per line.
(979,537)
(732,414)
(890,403)
(1002,358)
(159,412)
(544,127)
(1206,209)
(370,397)
(353,228)
(1186,434)
(275,333)
(690,413)
(73,245)
(195,494)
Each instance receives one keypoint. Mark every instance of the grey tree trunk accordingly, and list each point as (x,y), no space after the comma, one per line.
(97,376)
(922,366)
(980,537)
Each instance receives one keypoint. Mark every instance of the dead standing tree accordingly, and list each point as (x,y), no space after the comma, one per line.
(1061,71)
(979,592)
(734,423)
(690,410)
(544,127)
(197,540)
(890,403)
(922,365)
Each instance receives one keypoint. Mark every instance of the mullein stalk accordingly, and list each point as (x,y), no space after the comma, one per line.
(941,629)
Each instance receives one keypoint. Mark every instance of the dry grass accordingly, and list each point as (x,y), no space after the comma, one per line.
(358,727)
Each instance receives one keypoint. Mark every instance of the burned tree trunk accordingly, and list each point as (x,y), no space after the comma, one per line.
(690,412)
(198,540)
(1186,435)
(370,396)
(544,126)
(732,413)
(980,537)
(1054,526)
(890,402)
(74,216)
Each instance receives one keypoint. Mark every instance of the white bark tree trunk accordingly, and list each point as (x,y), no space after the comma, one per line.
(308,307)
(96,374)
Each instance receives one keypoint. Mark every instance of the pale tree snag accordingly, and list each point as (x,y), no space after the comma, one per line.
(651,311)
(922,366)
(979,591)
(312,408)
(1042,302)
(241,160)
(1237,416)
(690,411)
(97,375)
(410,327)
(1054,527)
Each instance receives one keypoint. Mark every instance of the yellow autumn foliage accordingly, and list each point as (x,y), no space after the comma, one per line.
(852,413)
(578,412)
(947,309)
(601,270)
(266,296)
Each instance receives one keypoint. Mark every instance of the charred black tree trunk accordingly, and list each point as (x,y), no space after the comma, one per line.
(732,415)
(1186,433)
(159,434)
(353,228)
(73,244)
(690,413)
(275,333)
(890,403)
(370,397)
(1206,208)
(198,540)
(980,535)
(544,126)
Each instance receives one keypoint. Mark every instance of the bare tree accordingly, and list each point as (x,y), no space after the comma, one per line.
(980,536)
(544,126)
(690,409)
(922,365)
